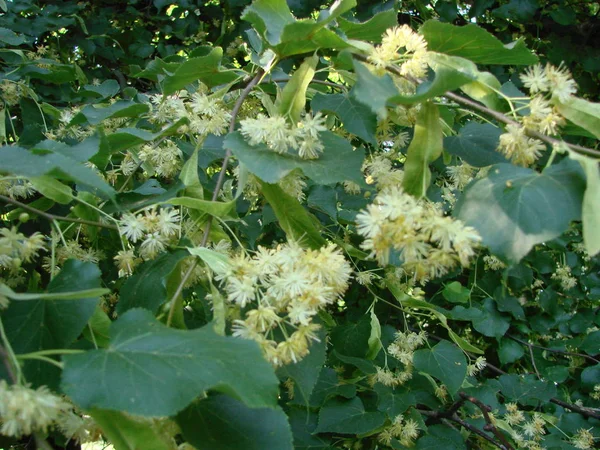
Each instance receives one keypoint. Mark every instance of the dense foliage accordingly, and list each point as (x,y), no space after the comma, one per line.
(277,225)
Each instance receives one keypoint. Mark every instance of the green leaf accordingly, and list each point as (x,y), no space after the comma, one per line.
(94,114)
(391,402)
(44,324)
(162,370)
(425,147)
(324,199)
(372,29)
(298,224)
(348,417)
(127,433)
(52,188)
(583,113)
(34,163)
(372,90)
(356,117)
(338,162)
(455,292)
(217,262)
(522,11)
(590,214)
(474,43)
(476,144)
(526,389)
(107,89)
(492,323)
(352,338)
(522,207)
(223,423)
(291,102)
(328,385)
(147,287)
(446,362)
(97,330)
(204,68)
(441,437)
(485,89)
(305,372)
(125,138)
(304,423)
(509,351)
(591,343)
(10,37)
(269,17)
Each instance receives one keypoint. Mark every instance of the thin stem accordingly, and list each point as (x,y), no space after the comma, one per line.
(53,217)
(8,356)
(489,426)
(51,352)
(236,109)
(42,358)
(561,352)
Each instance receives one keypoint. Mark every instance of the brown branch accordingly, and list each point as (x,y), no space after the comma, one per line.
(561,352)
(236,109)
(490,112)
(489,426)
(588,412)
(53,217)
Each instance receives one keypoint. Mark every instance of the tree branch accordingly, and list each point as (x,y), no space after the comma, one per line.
(560,352)
(53,217)
(485,409)
(236,109)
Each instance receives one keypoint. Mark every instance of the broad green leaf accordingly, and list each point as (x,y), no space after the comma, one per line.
(391,402)
(371,30)
(328,386)
(476,144)
(223,423)
(324,199)
(52,188)
(515,208)
(304,423)
(127,433)
(583,113)
(348,417)
(10,37)
(338,162)
(52,324)
(372,90)
(485,89)
(107,89)
(444,361)
(27,163)
(521,11)
(374,341)
(425,147)
(352,338)
(291,102)
(305,372)
(51,71)
(509,351)
(147,287)
(474,43)
(269,17)
(204,68)
(97,330)
(218,209)
(94,114)
(591,213)
(491,323)
(162,370)
(455,292)
(298,224)
(591,343)
(217,262)
(355,117)
(441,437)
(526,389)
(366,366)
(125,138)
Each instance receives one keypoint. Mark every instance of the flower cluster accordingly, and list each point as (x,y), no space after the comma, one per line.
(518,147)
(280,291)
(555,80)
(428,243)
(401,45)
(164,158)
(403,349)
(405,431)
(379,170)
(16,188)
(564,277)
(15,249)
(24,410)
(153,228)
(279,136)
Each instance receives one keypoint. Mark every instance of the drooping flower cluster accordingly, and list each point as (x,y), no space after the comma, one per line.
(165,158)
(16,188)
(24,410)
(403,349)
(279,136)
(555,80)
(564,277)
(16,249)
(380,170)
(404,430)
(72,249)
(154,228)
(401,45)
(280,291)
(518,147)
(427,243)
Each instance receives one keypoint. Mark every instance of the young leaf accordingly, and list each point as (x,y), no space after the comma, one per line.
(446,362)
(52,188)
(590,214)
(163,370)
(293,97)
(425,148)
(583,113)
